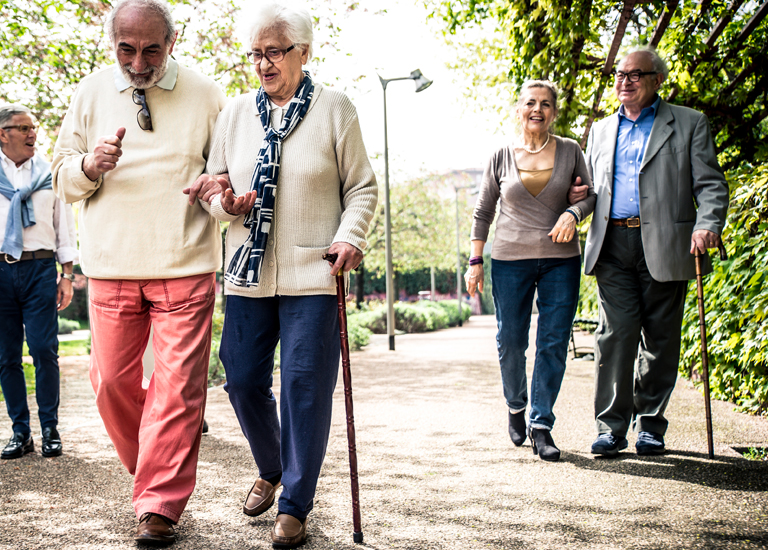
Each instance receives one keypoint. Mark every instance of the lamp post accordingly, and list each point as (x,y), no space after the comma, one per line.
(422,83)
(474,191)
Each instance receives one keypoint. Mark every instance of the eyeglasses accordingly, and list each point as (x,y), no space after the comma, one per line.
(274,55)
(634,76)
(23,128)
(143,117)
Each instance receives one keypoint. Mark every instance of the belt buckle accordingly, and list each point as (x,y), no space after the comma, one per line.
(10,259)
(633,222)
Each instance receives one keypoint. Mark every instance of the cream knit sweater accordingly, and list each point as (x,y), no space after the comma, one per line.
(135,223)
(326,191)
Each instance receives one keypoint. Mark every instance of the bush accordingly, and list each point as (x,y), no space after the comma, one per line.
(422,316)
(736,301)
(66,326)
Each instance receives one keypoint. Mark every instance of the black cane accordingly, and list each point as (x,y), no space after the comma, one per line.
(357,535)
(704,355)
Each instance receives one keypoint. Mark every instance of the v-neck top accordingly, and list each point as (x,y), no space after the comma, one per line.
(535,180)
(525,220)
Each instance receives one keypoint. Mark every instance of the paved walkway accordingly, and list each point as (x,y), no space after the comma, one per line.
(437,469)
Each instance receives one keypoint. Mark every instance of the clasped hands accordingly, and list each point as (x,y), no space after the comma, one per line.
(206,187)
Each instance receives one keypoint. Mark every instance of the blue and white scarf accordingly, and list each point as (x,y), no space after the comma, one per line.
(21,213)
(245,267)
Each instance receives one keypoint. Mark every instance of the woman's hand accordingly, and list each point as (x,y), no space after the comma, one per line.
(206,187)
(474,279)
(564,229)
(236,206)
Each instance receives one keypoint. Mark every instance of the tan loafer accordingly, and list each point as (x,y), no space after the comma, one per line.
(260,498)
(289,532)
(155,530)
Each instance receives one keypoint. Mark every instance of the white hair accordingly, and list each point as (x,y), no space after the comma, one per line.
(159,7)
(10,110)
(659,65)
(294,23)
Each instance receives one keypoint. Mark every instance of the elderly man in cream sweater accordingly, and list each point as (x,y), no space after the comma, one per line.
(135,135)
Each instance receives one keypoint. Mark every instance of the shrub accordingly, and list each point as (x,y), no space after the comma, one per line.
(422,316)
(66,326)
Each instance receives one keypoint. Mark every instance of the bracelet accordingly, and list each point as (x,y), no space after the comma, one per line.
(476,260)
(68,276)
(574,214)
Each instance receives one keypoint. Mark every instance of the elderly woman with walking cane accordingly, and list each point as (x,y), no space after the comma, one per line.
(295,183)
(533,251)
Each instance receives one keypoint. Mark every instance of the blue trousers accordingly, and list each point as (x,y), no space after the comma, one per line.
(514,283)
(28,300)
(295,444)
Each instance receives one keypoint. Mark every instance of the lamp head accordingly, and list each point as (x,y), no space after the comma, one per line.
(422,82)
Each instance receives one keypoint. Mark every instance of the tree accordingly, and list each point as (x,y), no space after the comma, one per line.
(716,50)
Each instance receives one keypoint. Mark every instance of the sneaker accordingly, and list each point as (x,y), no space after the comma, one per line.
(608,445)
(650,443)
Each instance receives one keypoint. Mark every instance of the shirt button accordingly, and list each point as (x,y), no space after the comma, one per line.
(271,264)
(271,241)
(631,180)
(631,162)
(272,286)
(631,200)
(606,218)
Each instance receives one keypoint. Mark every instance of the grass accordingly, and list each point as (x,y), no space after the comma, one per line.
(29,376)
(68,348)
(756,453)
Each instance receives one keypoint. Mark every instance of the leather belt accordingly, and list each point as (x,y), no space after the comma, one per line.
(30,255)
(626,222)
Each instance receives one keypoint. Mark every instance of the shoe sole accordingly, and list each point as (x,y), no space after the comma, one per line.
(30,449)
(253,512)
(289,544)
(610,452)
(159,541)
(651,452)
(51,454)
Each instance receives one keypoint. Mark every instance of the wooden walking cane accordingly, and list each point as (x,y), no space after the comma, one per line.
(704,356)
(357,535)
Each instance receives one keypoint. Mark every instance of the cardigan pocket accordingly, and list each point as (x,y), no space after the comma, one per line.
(311,271)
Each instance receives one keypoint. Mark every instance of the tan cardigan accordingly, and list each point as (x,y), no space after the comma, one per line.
(135,223)
(525,220)
(326,191)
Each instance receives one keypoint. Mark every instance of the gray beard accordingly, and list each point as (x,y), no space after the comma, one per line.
(156,74)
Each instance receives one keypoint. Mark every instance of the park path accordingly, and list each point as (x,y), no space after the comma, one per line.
(437,469)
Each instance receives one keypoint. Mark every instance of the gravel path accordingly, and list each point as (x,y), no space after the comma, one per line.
(437,469)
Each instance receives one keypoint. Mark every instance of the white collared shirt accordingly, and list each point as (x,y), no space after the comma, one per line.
(54,227)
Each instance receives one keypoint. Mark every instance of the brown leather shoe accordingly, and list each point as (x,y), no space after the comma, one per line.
(289,532)
(260,498)
(155,530)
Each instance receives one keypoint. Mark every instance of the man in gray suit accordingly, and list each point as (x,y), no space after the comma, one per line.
(660,195)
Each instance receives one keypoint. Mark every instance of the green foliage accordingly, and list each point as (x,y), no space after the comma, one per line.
(736,300)
(66,326)
(72,348)
(422,316)
(588,301)
(215,368)
(358,334)
(756,453)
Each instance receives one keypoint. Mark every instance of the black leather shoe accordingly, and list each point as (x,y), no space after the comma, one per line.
(517,427)
(51,442)
(543,445)
(650,443)
(18,446)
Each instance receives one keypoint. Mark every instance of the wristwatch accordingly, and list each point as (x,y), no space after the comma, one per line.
(68,276)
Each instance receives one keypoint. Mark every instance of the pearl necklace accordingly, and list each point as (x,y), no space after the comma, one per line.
(537,151)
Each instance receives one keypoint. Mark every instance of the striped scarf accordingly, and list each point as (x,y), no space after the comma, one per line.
(21,213)
(245,267)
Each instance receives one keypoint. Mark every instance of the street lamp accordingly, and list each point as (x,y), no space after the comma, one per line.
(422,83)
(474,191)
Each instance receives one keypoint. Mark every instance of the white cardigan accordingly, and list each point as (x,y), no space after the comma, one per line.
(326,191)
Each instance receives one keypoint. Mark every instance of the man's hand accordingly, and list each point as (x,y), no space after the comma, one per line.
(63,293)
(564,229)
(206,187)
(473,278)
(577,192)
(703,239)
(105,155)
(349,257)
(236,206)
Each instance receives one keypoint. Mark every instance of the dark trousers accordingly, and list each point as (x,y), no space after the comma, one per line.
(295,444)
(633,386)
(28,299)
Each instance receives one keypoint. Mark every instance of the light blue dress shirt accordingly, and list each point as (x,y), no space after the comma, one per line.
(630,148)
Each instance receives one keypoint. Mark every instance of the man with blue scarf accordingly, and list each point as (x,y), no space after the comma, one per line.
(38,229)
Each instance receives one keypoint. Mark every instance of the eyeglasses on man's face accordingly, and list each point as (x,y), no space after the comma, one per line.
(143,117)
(633,76)
(273,55)
(22,128)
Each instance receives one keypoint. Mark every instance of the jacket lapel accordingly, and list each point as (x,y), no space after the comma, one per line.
(660,133)
(607,144)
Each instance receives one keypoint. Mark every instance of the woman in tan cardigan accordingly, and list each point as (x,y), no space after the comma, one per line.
(534,250)
(301,186)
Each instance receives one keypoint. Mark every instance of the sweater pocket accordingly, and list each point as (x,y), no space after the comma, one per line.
(311,271)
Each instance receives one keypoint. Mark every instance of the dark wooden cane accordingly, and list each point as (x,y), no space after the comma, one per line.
(357,535)
(704,354)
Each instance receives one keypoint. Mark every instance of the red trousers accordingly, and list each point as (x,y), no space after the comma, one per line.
(156,431)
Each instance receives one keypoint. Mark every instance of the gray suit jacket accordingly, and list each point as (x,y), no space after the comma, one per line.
(679,172)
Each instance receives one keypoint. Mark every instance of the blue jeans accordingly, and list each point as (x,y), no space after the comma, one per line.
(28,299)
(295,444)
(514,283)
